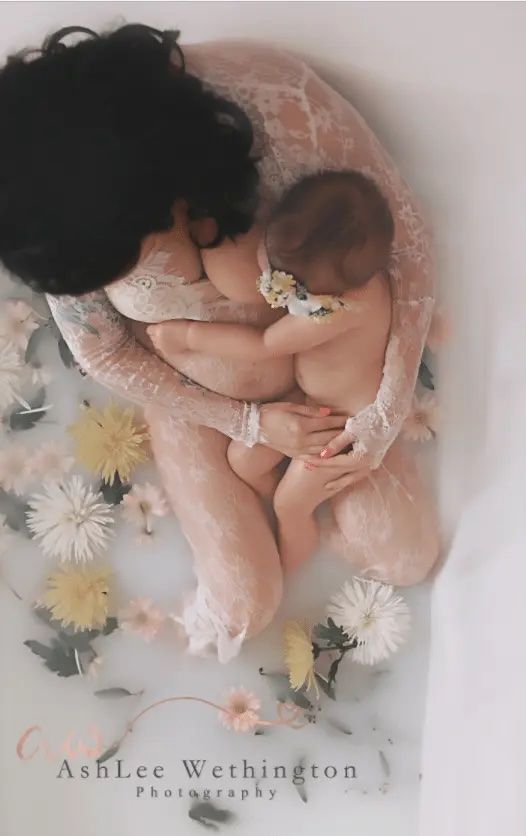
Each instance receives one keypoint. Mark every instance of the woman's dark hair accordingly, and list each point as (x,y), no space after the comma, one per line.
(98,140)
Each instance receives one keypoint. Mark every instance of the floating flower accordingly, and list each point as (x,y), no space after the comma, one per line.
(78,596)
(12,373)
(15,468)
(299,656)
(241,710)
(18,320)
(439,331)
(70,521)
(371,613)
(141,504)
(422,423)
(142,617)
(51,462)
(109,442)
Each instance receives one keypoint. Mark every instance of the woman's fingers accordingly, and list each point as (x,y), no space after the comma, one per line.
(337,444)
(347,462)
(346,481)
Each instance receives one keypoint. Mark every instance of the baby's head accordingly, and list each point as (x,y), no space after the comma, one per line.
(333,231)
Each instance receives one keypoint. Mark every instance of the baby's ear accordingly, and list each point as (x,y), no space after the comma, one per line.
(286,234)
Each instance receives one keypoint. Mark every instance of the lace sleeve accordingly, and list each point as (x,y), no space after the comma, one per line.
(302,126)
(319,129)
(100,341)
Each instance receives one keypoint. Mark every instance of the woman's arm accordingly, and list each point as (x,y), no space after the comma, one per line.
(101,343)
(333,135)
(309,127)
(287,336)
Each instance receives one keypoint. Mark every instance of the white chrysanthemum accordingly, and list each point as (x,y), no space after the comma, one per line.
(18,320)
(70,521)
(370,612)
(51,462)
(12,373)
(15,468)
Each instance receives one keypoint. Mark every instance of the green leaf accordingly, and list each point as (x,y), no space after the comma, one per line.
(284,693)
(57,658)
(116,693)
(110,752)
(110,626)
(207,814)
(33,343)
(331,633)
(327,688)
(65,354)
(114,494)
(21,419)
(425,376)
(14,509)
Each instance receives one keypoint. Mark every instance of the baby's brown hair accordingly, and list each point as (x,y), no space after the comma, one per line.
(331,211)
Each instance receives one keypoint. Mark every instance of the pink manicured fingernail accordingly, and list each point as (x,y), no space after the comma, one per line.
(324,453)
(325,410)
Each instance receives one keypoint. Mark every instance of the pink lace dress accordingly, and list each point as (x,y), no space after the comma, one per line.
(386,527)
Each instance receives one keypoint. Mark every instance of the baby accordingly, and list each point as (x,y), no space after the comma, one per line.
(325,249)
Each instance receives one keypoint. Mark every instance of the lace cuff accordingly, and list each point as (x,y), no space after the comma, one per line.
(249,430)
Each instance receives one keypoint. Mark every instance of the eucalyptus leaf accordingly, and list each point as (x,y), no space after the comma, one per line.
(110,752)
(425,376)
(116,693)
(114,494)
(21,419)
(57,658)
(210,816)
(14,509)
(283,692)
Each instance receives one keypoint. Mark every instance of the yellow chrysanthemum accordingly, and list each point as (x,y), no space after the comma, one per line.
(299,656)
(282,282)
(109,442)
(78,597)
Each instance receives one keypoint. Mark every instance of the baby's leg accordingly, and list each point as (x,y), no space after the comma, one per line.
(387,523)
(297,496)
(257,466)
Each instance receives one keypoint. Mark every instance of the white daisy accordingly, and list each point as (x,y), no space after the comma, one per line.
(18,320)
(70,521)
(370,612)
(51,462)
(15,468)
(141,504)
(422,422)
(12,373)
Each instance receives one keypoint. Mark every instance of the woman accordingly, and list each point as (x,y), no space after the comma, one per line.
(104,144)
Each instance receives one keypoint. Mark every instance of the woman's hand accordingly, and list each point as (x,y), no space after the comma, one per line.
(297,430)
(343,470)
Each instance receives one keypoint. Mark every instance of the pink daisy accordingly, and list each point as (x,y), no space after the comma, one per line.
(142,618)
(51,462)
(422,422)
(15,468)
(141,504)
(241,710)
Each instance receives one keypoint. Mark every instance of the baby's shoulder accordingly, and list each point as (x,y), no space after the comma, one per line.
(371,301)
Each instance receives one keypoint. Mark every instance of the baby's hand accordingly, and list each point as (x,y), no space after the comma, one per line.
(170,337)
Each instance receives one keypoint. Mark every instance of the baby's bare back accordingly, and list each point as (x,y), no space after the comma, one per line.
(345,372)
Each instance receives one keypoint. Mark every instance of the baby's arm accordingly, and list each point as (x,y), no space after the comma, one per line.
(290,335)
